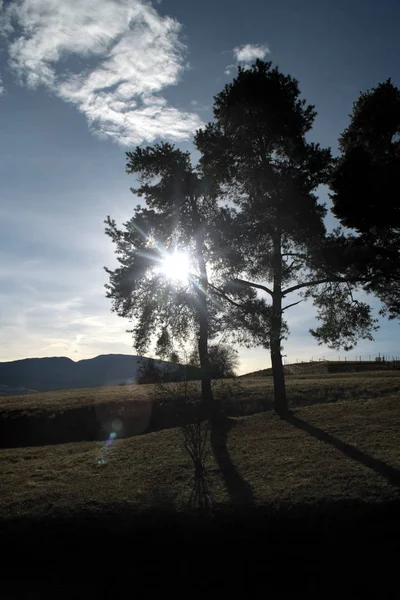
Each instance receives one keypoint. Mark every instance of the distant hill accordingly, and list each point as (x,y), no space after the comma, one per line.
(317,367)
(298,368)
(61,373)
(7,390)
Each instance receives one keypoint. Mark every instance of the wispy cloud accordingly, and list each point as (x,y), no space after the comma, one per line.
(250,52)
(246,54)
(110,58)
(47,317)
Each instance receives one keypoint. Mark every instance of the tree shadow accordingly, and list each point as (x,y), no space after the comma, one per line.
(390,473)
(239,490)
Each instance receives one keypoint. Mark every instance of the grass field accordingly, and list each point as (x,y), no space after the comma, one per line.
(88,414)
(308,386)
(346,450)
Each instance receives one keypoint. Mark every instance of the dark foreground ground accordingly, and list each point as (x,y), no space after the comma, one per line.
(346,548)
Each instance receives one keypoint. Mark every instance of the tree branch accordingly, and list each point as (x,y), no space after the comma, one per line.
(351,293)
(223,295)
(302,256)
(348,280)
(293,265)
(254,285)
(290,266)
(290,305)
(299,286)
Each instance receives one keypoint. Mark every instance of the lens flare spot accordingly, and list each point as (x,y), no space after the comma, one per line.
(116,425)
(113,435)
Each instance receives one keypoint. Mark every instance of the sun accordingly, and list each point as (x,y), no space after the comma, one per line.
(176,266)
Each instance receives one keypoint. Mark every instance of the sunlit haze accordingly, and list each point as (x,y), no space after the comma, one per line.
(176,266)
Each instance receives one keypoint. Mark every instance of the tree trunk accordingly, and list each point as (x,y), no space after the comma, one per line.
(206,390)
(280,398)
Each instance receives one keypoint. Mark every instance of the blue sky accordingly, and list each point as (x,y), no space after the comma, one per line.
(85,80)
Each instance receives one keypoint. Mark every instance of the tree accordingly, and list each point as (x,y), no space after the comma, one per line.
(152,371)
(174,358)
(257,152)
(171,221)
(148,372)
(223,360)
(365,190)
(180,215)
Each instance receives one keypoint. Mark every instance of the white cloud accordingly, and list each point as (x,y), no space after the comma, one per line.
(136,54)
(1,85)
(250,52)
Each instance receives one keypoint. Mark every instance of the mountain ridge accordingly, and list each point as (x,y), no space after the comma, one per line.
(61,372)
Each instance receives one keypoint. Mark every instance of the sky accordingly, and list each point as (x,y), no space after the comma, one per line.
(84,81)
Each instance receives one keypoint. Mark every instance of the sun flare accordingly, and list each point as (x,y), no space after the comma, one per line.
(176,266)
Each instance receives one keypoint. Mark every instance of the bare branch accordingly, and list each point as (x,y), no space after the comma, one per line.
(299,286)
(351,294)
(254,285)
(293,304)
(296,255)
(347,280)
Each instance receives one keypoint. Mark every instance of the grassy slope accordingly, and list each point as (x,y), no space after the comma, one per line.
(279,461)
(87,415)
(317,387)
(332,367)
(67,399)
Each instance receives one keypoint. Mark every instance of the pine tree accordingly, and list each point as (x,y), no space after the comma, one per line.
(257,151)
(180,214)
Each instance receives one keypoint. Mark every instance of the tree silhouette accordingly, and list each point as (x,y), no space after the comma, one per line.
(149,372)
(223,360)
(181,213)
(365,184)
(249,219)
(172,220)
(256,150)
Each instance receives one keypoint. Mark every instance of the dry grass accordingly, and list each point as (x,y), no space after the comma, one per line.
(278,460)
(314,388)
(68,399)
(87,415)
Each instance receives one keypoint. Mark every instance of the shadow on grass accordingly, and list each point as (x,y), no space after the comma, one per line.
(390,473)
(240,492)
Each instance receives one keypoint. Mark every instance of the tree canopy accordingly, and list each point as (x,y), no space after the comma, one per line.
(365,190)
(224,360)
(366,180)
